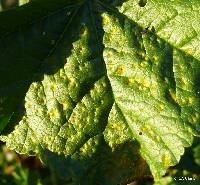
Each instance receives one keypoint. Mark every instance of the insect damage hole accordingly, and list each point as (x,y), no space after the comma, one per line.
(142,3)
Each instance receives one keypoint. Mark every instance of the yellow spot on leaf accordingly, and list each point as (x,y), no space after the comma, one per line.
(108,39)
(189,130)
(106,20)
(53,87)
(121,70)
(144,64)
(183,101)
(152,94)
(190,100)
(181,67)
(114,30)
(72,82)
(130,81)
(155,58)
(194,119)
(145,128)
(53,114)
(161,106)
(165,160)
(184,81)
(63,75)
(141,53)
(156,138)
(79,126)
(115,126)
(144,83)
(109,53)
(28,104)
(152,85)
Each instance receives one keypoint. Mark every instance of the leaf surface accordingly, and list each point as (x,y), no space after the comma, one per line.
(92,77)
(142,96)
(174,21)
(21,57)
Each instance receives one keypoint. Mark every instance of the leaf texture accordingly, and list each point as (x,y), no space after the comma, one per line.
(143,92)
(167,17)
(96,82)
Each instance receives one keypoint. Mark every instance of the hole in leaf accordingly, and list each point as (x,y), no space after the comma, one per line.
(142,3)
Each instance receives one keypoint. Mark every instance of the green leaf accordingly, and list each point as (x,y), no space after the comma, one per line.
(187,171)
(142,85)
(174,21)
(21,2)
(92,79)
(24,56)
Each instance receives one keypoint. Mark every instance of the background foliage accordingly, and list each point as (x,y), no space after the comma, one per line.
(25,170)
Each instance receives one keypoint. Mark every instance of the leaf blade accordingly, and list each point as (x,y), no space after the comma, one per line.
(149,114)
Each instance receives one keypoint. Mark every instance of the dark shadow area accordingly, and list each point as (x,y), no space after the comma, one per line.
(187,162)
(116,3)
(103,166)
(142,3)
(25,53)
